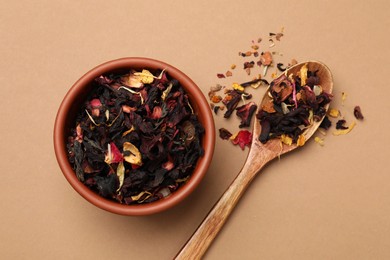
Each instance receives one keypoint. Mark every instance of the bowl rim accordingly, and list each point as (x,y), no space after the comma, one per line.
(176,197)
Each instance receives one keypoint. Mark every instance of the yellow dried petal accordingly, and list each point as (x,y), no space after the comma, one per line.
(345,131)
(334,112)
(303,74)
(128,131)
(137,197)
(238,87)
(319,140)
(301,140)
(135,155)
(343,97)
(286,139)
(120,172)
(145,76)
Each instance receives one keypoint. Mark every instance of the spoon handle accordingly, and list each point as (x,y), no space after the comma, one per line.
(199,242)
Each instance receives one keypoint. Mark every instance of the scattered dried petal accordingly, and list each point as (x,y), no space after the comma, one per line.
(238,87)
(243,138)
(221,76)
(343,97)
(229,73)
(266,58)
(224,133)
(319,140)
(245,112)
(345,131)
(334,112)
(340,124)
(358,113)
(216,99)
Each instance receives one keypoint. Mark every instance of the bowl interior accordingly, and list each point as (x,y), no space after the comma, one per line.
(75,98)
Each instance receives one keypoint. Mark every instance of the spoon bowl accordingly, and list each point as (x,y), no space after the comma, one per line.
(259,155)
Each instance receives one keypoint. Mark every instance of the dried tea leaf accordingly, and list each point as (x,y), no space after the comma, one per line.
(224,134)
(134,155)
(133,92)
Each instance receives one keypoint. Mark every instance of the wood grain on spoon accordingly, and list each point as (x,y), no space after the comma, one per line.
(259,155)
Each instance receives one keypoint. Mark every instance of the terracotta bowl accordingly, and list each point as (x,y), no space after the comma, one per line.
(66,119)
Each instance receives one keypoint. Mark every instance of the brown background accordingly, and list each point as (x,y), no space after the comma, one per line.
(330,202)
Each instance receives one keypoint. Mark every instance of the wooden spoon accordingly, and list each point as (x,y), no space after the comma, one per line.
(259,155)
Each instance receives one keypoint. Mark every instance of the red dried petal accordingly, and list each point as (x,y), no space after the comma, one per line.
(115,153)
(243,138)
(95,103)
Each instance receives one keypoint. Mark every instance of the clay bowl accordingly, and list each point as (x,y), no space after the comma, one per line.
(66,119)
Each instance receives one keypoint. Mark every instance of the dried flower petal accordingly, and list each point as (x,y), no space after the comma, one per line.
(238,87)
(269,107)
(343,97)
(334,112)
(113,154)
(301,140)
(220,75)
(145,76)
(134,156)
(345,131)
(224,133)
(319,140)
(340,124)
(358,113)
(303,74)
(245,112)
(266,58)
(139,196)
(120,172)
(286,139)
(216,99)
(243,138)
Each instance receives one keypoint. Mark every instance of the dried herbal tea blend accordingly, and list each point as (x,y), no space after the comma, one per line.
(136,138)
(296,101)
